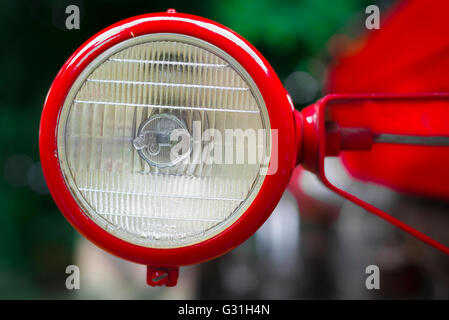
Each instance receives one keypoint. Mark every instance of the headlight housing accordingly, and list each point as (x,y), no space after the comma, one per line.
(106,130)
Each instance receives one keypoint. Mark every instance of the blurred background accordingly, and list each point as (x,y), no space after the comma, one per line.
(315,245)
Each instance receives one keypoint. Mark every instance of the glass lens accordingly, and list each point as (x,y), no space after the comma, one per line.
(162,140)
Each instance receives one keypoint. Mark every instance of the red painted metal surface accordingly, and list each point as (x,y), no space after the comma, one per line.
(280,111)
(162,276)
(409,54)
(414,169)
(319,114)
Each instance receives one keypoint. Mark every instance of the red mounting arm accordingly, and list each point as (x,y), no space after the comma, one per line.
(321,138)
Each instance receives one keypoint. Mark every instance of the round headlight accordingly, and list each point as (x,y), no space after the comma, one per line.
(167,139)
(114,145)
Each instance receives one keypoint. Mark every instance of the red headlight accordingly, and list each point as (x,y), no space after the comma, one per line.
(106,149)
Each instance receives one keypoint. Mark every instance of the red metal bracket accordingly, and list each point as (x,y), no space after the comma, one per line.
(162,276)
(315,148)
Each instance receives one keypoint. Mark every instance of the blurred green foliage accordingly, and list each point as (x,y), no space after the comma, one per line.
(36,242)
(288,31)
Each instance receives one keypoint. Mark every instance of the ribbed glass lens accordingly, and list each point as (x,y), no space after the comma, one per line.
(143,140)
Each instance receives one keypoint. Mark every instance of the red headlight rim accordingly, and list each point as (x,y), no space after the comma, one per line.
(279,109)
